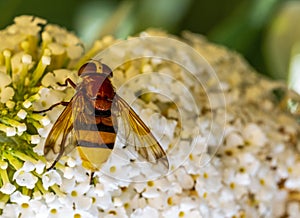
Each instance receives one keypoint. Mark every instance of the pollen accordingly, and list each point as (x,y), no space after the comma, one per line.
(74,194)
(194,176)
(113,212)
(150,183)
(242,215)
(242,170)
(44,103)
(172,167)
(77,215)
(113,169)
(170,201)
(247,143)
(25,205)
(205,175)
(232,185)
(126,205)
(53,211)
(228,152)
(262,182)
(124,189)
(181,214)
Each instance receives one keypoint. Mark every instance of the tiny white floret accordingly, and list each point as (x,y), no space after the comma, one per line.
(26,59)
(22,114)
(8,188)
(46,60)
(50,178)
(27,104)
(45,121)
(35,139)
(22,128)
(11,131)
(26,179)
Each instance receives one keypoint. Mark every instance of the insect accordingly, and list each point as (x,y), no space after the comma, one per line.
(87,122)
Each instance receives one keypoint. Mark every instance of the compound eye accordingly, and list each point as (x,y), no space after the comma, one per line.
(106,70)
(89,67)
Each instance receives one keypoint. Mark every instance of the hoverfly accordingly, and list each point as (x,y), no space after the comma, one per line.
(87,122)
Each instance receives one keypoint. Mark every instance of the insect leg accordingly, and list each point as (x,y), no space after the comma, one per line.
(68,81)
(91,177)
(56,159)
(64,103)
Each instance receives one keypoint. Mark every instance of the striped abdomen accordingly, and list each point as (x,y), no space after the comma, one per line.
(96,137)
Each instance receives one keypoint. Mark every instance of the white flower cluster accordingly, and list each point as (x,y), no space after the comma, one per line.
(23,61)
(254,173)
(27,52)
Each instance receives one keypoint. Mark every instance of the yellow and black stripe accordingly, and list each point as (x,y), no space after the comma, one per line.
(96,137)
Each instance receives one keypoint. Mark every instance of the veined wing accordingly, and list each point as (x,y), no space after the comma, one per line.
(62,131)
(137,134)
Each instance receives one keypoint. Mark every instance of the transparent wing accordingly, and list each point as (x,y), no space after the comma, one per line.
(134,133)
(61,137)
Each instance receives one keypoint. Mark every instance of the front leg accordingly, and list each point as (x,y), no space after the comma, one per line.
(68,81)
(64,103)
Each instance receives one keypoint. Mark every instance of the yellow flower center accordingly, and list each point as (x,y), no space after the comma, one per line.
(25,205)
(53,211)
(74,194)
(150,183)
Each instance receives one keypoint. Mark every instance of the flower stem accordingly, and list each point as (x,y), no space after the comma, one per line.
(3,127)
(39,71)
(7,55)
(26,60)
(24,157)
(40,187)
(4,198)
(4,176)
(25,191)
(10,122)
(56,189)
(16,164)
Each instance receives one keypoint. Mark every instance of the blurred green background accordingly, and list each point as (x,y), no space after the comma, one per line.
(266,32)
